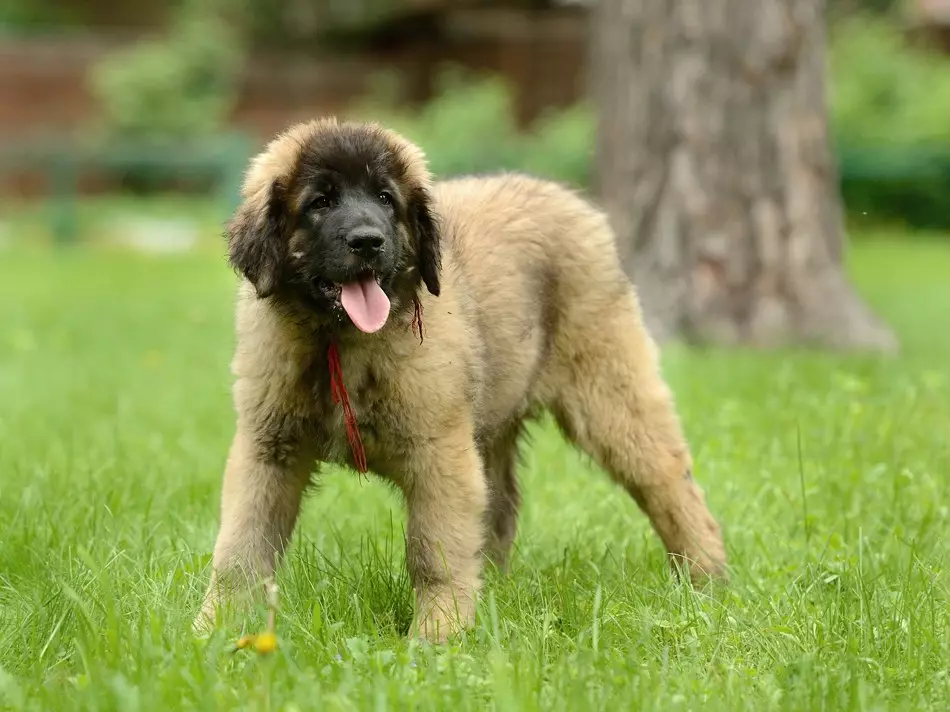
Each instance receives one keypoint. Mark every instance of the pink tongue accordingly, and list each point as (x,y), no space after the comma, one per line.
(366,303)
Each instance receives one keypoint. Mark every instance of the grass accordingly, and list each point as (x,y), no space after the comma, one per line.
(831,476)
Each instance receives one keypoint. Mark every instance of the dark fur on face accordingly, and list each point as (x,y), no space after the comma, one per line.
(332,203)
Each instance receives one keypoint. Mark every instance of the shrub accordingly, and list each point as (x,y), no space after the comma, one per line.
(886,93)
(890,115)
(170,97)
(561,146)
(180,86)
(469,127)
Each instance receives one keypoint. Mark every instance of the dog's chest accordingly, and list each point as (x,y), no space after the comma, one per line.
(353,405)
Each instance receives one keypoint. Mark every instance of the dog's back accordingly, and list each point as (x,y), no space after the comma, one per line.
(531,261)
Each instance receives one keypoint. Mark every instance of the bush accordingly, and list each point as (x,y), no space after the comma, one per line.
(469,128)
(890,115)
(181,87)
(174,94)
(561,146)
(25,17)
(886,93)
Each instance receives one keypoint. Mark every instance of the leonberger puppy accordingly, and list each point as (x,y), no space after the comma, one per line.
(410,328)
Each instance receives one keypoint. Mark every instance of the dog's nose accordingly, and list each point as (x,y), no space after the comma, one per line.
(365,243)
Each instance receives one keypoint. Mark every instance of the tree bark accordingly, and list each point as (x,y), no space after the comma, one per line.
(715,167)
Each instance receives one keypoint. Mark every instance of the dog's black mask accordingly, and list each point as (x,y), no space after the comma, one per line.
(345,232)
(348,232)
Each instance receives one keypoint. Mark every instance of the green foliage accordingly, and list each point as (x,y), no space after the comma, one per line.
(890,115)
(22,17)
(469,128)
(561,146)
(181,86)
(171,96)
(843,8)
(828,473)
(885,93)
(890,104)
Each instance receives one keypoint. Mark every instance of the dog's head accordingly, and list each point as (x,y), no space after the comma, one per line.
(336,216)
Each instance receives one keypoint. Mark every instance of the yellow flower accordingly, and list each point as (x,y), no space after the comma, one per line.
(265,643)
(245,641)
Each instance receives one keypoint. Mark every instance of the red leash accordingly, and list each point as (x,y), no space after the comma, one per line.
(342,398)
(417,320)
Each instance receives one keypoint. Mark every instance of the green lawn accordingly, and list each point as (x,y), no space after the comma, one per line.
(831,476)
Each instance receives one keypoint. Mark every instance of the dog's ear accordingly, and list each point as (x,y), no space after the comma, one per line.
(428,239)
(257,244)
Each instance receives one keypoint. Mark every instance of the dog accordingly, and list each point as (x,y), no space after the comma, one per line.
(410,328)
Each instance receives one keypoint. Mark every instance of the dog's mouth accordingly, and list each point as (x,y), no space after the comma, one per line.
(362,298)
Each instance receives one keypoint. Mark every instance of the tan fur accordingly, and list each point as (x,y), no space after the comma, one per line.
(534,313)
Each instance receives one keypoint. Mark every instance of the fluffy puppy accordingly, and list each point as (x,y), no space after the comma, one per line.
(410,328)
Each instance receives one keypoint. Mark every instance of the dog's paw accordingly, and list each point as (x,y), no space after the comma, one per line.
(443,619)
(202,626)
(703,567)
(205,622)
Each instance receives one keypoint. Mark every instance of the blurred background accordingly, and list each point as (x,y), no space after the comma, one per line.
(730,141)
(90,91)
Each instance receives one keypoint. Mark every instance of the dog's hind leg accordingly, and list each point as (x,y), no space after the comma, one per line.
(614,404)
(501,462)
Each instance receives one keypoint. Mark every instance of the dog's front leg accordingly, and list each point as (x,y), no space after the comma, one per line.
(260,502)
(447,496)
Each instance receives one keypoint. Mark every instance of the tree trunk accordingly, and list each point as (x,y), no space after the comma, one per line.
(715,168)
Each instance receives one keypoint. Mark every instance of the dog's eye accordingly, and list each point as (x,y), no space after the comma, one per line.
(321,202)
(385,198)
